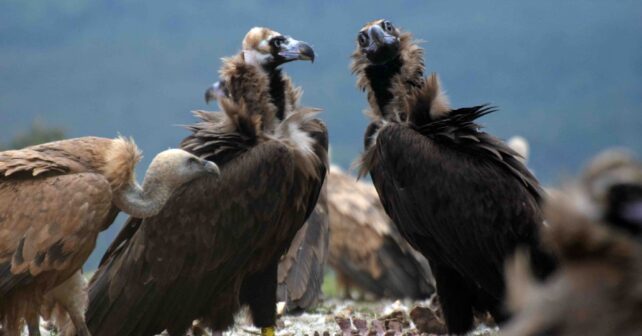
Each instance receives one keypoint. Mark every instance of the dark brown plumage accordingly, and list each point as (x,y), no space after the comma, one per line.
(366,249)
(54,200)
(216,245)
(300,273)
(458,195)
(597,289)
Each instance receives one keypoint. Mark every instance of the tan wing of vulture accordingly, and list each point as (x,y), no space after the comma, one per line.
(54,199)
(365,248)
(52,206)
(301,269)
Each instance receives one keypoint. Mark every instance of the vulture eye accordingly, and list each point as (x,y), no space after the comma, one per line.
(363,39)
(278,41)
(192,160)
(387,26)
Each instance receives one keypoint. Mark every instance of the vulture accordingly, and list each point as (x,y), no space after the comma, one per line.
(459,196)
(366,249)
(597,287)
(300,273)
(217,243)
(54,200)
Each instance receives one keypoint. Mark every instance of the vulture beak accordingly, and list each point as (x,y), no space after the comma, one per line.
(294,50)
(211,168)
(215,91)
(383,46)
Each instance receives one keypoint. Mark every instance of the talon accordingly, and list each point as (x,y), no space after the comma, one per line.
(268,331)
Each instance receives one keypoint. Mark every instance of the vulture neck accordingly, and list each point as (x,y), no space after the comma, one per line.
(277,90)
(380,78)
(145,201)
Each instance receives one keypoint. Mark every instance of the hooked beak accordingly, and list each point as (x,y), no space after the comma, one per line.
(383,46)
(211,168)
(296,51)
(215,91)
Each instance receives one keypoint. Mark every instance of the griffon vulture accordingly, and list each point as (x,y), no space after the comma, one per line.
(54,200)
(217,243)
(459,196)
(366,250)
(597,287)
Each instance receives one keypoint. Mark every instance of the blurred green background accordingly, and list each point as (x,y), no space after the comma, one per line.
(565,75)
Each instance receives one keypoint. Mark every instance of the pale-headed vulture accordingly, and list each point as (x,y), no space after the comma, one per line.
(55,198)
(217,243)
(459,195)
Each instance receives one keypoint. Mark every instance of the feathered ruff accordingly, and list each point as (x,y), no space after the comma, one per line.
(249,86)
(291,131)
(408,77)
(428,103)
(121,158)
(221,136)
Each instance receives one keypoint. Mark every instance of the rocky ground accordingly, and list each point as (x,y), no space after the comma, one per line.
(347,318)
(335,317)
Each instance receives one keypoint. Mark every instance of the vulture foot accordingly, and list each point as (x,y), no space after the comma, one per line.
(268,331)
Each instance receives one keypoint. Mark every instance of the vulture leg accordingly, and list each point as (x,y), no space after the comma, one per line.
(455,298)
(78,319)
(33,324)
(259,293)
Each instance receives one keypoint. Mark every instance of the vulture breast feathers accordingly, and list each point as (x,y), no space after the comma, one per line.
(457,194)
(217,243)
(54,200)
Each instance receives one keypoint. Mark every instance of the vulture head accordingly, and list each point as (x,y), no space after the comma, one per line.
(270,49)
(176,166)
(379,41)
(267,49)
(168,171)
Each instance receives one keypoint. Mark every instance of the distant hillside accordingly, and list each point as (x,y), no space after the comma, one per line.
(566,75)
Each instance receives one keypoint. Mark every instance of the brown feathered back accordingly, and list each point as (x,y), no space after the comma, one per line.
(54,200)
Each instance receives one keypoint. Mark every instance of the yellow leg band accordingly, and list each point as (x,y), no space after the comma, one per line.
(268,331)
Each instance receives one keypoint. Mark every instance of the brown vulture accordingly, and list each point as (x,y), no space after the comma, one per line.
(300,273)
(366,250)
(54,200)
(597,289)
(459,195)
(217,243)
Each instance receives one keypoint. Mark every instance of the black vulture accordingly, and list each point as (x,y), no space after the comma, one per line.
(366,249)
(459,195)
(217,243)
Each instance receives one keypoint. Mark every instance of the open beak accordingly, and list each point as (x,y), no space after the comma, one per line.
(211,168)
(215,91)
(295,50)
